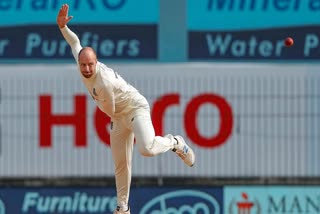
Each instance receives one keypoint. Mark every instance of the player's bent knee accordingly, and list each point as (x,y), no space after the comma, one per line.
(146,151)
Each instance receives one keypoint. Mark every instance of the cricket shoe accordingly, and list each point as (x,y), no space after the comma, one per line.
(121,211)
(184,151)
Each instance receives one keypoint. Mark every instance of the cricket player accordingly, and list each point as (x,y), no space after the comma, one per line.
(129,112)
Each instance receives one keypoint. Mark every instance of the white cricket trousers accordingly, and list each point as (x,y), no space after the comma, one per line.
(136,125)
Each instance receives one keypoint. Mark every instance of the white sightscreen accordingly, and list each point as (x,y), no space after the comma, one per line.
(275,120)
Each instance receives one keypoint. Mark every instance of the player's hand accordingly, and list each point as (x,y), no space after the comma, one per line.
(63,18)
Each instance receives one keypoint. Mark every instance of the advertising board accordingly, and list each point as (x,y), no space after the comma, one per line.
(240,119)
(271,199)
(253,30)
(113,28)
(143,200)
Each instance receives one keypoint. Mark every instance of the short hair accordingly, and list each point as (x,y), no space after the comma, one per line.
(87,48)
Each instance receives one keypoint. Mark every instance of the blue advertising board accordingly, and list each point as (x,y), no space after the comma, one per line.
(144,200)
(255,44)
(113,28)
(109,41)
(253,29)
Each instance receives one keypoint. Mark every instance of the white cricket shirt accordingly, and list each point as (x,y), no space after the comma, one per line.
(112,94)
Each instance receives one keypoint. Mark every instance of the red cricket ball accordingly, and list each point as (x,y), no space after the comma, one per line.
(288,42)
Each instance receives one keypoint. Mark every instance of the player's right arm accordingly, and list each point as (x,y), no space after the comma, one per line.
(71,38)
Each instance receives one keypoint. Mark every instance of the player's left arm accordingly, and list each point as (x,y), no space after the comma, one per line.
(72,39)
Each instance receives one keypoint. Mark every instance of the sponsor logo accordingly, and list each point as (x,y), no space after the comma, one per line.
(185,149)
(123,41)
(252,44)
(182,202)
(302,13)
(78,202)
(2,207)
(163,103)
(28,12)
(244,206)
